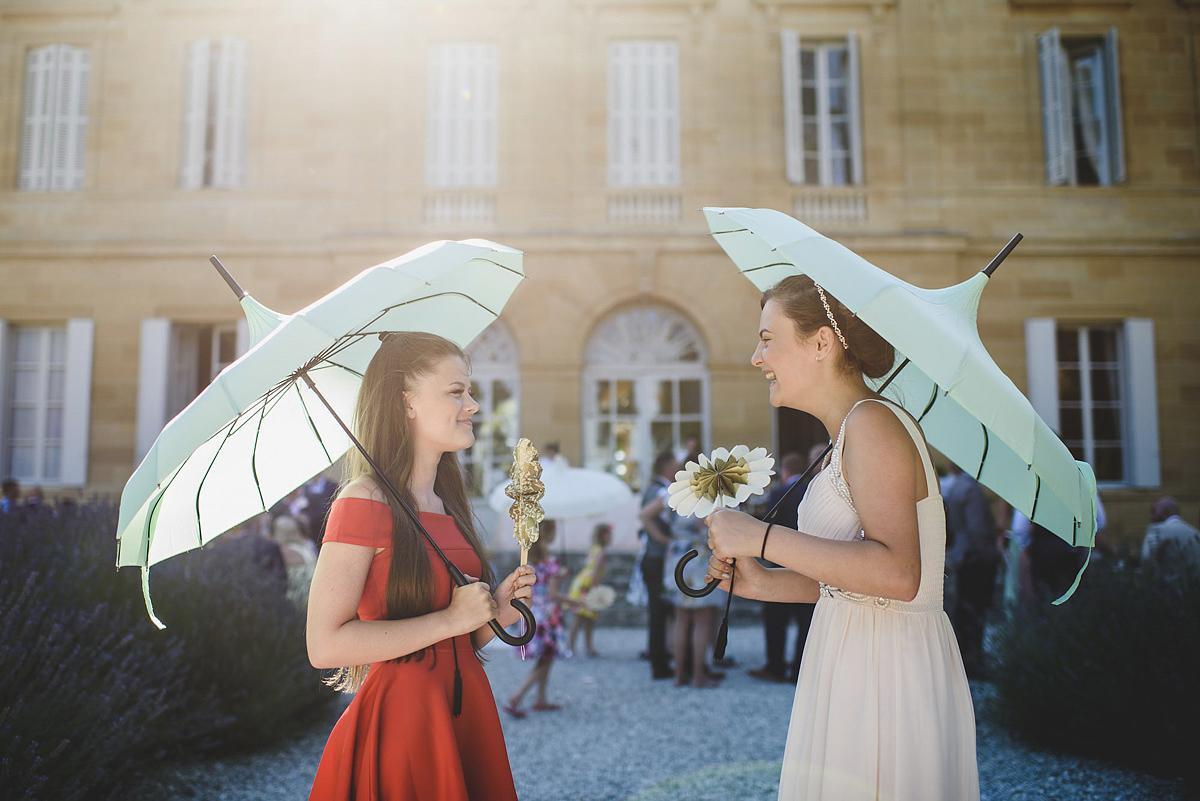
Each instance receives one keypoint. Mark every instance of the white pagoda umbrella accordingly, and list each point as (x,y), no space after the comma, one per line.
(968,408)
(275,417)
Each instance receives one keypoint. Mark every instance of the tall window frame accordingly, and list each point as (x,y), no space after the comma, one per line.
(1094,384)
(215,119)
(462,115)
(54,119)
(45,401)
(1079,81)
(646,388)
(822,117)
(496,387)
(643,113)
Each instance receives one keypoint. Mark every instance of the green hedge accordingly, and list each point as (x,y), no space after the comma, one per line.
(1111,673)
(93,691)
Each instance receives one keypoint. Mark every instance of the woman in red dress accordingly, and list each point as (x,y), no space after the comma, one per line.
(383,609)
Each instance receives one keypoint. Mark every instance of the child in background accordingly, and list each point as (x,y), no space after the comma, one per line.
(590,576)
(546,606)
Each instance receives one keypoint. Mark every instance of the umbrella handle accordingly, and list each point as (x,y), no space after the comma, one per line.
(682,584)
(530,626)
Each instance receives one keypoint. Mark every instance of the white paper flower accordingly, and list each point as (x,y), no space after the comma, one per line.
(724,479)
(599,597)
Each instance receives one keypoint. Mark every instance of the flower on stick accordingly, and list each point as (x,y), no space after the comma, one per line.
(727,478)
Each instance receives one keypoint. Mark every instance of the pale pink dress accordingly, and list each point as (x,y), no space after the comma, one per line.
(882,708)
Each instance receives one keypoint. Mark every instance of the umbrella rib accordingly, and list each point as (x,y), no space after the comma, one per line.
(1037,491)
(983,456)
(765,266)
(311,424)
(200,486)
(932,400)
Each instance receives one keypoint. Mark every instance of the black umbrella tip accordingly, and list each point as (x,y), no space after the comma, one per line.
(994,263)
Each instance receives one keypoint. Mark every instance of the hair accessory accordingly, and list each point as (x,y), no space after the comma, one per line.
(829,314)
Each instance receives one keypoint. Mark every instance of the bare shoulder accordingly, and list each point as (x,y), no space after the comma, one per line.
(363,487)
(875,432)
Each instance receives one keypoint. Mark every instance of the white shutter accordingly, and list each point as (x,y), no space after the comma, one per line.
(154,351)
(483,95)
(793,128)
(195,114)
(229,104)
(1055,81)
(620,114)
(643,114)
(77,401)
(41,67)
(70,119)
(854,109)
(1141,389)
(436,112)
(1041,369)
(1112,86)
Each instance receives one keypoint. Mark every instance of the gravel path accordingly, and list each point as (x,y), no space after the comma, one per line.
(623,737)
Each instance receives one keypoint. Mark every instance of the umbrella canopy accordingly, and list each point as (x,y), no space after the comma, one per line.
(968,408)
(572,492)
(258,431)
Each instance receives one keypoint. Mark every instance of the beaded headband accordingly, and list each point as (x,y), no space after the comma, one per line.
(829,314)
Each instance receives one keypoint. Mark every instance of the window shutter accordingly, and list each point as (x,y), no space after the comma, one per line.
(153,370)
(195,114)
(854,109)
(1041,369)
(77,401)
(38,115)
(793,130)
(229,130)
(70,119)
(665,166)
(1055,82)
(483,124)
(1112,85)
(1142,410)
(437,101)
(620,113)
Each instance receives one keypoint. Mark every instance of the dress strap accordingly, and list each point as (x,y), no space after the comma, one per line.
(914,431)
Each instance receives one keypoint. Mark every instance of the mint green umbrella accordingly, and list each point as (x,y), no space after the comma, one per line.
(273,419)
(968,408)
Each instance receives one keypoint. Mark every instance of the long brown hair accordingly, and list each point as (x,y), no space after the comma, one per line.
(386,433)
(865,351)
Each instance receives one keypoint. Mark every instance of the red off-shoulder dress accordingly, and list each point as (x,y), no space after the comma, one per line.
(399,739)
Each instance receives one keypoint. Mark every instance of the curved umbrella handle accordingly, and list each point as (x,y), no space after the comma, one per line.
(682,584)
(530,626)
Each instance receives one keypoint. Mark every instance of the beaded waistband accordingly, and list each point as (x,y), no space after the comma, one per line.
(910,607)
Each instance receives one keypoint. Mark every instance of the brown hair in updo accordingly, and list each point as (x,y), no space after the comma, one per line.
(865,351)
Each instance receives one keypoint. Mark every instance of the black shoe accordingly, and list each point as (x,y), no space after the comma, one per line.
(766,674)
(662,673)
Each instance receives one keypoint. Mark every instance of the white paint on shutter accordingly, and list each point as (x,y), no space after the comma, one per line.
(643,114)
(1141,389)
(195,115)
(70,119)
(154,351)
(1055,82)
(38,114)
(461,117)
(231,68)
(1112,85)
(793,129)
(77,401)
(854,109)
(1041,369)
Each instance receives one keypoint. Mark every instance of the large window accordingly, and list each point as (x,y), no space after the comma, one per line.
(461,119)
(176,362)
(1094,385)
(214,118)
(1081,109)
(496,386)
(643,113)
(54,118)
(822,129)
(46,400)
(646,390)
